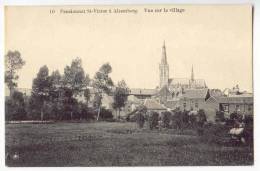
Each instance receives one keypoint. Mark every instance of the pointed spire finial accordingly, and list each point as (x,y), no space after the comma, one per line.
(192,73)
(164,57)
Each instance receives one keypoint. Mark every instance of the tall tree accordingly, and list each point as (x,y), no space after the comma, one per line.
(120,96)
(41,88)
(74,81)
(87,93)
(56,93)
(13,62)
(102,83)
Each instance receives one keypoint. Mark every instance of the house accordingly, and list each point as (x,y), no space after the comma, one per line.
(241,103)
(153,105)
(194,99)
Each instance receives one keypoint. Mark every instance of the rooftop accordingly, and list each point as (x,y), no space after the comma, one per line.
(152,104)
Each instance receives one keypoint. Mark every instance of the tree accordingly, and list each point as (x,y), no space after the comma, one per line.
(74,81)
(102,83)
(15,107)
(56,94)
(41,89)
(120,96)
(13,62)
(87,95)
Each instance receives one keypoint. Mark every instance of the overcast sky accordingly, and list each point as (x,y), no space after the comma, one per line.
(216,40)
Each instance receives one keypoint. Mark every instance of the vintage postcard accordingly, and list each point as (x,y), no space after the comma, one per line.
(128,85)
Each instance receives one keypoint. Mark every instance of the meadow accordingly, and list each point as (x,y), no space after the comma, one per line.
(114,144)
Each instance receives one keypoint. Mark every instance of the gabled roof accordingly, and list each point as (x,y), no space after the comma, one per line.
(195,93)
(152,104)
(138,91)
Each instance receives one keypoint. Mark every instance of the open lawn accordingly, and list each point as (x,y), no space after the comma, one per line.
(113,144)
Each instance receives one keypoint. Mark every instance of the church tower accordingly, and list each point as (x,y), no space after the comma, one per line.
(192,74)
(164,68)
(192,81)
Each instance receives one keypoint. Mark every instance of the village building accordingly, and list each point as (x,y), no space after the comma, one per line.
(154,106)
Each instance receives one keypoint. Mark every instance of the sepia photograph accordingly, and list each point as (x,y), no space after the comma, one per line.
(128,85)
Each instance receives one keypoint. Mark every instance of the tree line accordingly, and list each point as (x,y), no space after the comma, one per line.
(54,95)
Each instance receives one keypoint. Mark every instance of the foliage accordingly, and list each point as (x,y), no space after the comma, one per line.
(87,96)
(13,62)
(120,96)
(102,83)
(166,119)
(220,117)
(140,119)
(15,107)
(41,89)
(177,119)
(201,121)
(153,118)
(106,114)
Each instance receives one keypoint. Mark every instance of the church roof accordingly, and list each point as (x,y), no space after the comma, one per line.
(187,81)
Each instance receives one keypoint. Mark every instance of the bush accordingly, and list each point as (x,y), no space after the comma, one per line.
(220,117)
(177,119)
(166,118)
(140,120)
(15,107)
(153,118)
(106,114)
(201,120)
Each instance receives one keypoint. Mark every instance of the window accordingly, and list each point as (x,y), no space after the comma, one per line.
(184,105)
(249,108)
(196,105)
(237,107)
(226,108)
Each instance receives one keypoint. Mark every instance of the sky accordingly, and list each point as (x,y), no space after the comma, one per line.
(216,40)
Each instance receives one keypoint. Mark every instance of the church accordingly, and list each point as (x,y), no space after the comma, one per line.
(172,88)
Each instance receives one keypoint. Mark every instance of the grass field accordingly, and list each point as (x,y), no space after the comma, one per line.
(113,144)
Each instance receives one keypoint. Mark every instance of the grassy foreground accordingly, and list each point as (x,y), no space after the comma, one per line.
(113,144)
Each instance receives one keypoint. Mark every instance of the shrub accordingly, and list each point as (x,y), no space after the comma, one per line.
(106,114)
(201,120)
(166,118)
(140,120)
(219,116)
(153,119)
(177,119)
(15,107)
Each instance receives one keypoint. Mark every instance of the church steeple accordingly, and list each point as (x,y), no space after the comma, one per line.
(192,74)
(164,68)
(164,57)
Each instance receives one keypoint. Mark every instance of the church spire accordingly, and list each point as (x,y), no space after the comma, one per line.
(192,73)
(164,57)
(164,68)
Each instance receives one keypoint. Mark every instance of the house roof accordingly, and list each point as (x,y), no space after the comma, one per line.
(195,93)
(236,100)
(138,91)
(152,104)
